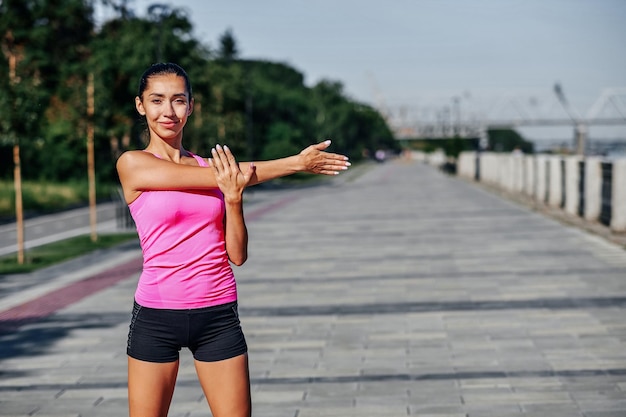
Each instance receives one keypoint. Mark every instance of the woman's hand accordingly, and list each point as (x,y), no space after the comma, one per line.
(228,175)
(316,161)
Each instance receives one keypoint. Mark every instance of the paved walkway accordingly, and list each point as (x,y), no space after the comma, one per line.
(392,291)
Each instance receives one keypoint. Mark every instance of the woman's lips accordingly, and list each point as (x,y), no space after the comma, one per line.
(168,125)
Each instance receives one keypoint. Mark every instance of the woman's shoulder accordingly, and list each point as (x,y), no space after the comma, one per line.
(130,159)
(137,154)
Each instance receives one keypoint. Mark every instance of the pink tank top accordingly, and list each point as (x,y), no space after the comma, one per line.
(185,264)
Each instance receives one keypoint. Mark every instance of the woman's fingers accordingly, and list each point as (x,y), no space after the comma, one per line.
(227,169)
(322,145)
(216,161)
(318,161)
(230,179)
(324,163)
(230,157)
(223,159)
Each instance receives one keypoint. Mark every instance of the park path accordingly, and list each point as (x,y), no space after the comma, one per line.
(393,290)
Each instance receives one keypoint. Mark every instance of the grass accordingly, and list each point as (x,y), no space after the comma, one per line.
(53,253)
(40,197)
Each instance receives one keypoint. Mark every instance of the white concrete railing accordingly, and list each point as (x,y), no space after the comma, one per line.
(556,181)
(436,158)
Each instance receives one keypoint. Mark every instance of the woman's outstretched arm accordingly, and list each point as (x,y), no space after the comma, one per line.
(312,159)
(141,171)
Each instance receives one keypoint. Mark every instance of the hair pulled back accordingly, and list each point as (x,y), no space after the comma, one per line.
(163,68)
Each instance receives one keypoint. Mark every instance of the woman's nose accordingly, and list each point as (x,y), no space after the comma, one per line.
(169,110)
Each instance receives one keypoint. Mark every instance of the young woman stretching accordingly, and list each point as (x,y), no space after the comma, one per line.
(189,216)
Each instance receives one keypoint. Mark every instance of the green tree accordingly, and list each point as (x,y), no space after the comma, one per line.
(280,141)
(354,128)
(63,50)
(506,140)
(261,109)
(281,101)
(228,46)
(48,76)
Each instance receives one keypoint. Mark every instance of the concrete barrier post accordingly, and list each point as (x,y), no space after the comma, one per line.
(618,196)
(418,156)
(482,166)
(540,189)
(466,165)
(487,168)
(506,172)
(593,188)
(571,185)
(529,175)
(555,182)
(518,172)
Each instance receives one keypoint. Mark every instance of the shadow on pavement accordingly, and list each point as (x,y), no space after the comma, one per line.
(28,338)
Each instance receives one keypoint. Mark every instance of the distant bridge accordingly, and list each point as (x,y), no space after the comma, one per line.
(477,129)
(608,110)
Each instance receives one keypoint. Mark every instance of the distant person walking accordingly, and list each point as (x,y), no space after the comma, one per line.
(189,216)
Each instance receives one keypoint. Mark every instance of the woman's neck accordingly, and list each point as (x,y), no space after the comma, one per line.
(169,151)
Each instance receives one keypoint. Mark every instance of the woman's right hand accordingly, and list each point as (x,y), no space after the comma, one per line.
(230,179)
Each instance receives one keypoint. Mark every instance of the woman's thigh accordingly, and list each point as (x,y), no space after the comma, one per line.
(150,387)
(226,385)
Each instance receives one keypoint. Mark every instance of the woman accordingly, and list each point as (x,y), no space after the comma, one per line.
(189,218)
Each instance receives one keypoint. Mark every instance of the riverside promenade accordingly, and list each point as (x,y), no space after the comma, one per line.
(391,290)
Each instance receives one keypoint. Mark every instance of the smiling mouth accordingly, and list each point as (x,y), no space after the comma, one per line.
(168,124)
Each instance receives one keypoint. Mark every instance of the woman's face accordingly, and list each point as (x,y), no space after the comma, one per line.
(165,103)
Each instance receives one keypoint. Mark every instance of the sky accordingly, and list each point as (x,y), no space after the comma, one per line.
(487,59)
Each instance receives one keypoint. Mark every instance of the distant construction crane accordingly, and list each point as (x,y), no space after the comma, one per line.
(580,128)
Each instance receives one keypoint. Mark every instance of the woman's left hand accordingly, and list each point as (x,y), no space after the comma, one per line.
(315,160)
(231,181)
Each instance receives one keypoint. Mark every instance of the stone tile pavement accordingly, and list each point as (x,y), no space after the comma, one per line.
(394,290)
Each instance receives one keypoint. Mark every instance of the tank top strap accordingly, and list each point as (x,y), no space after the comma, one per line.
(200,160)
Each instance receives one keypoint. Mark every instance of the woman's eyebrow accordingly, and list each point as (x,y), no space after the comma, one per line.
(163,95)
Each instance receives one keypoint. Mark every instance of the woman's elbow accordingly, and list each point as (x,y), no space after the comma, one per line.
(239,260)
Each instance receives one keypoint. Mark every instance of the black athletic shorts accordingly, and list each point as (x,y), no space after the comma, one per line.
(211,333)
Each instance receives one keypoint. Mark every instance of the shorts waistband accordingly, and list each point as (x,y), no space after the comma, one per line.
(207,309)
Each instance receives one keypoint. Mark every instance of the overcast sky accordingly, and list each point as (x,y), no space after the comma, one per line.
(418,55)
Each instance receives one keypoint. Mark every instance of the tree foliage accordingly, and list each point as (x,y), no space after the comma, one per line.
(261,109)
(228,46)
(507,140)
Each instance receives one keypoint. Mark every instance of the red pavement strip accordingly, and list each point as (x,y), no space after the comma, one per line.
(53,301)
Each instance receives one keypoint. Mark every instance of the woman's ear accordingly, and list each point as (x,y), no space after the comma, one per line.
(190,109)
(139,106)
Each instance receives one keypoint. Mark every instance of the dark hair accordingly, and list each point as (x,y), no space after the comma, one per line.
(163,69)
